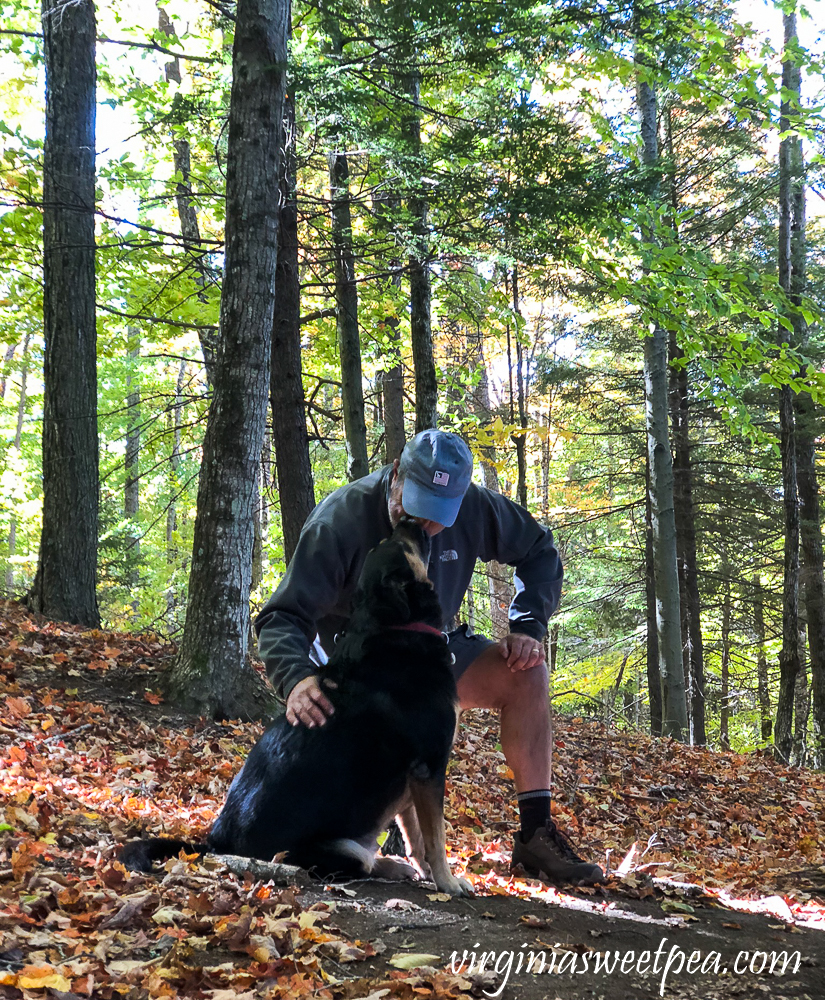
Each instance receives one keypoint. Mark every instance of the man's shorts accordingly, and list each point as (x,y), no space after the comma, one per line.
(466,646)
(463,644)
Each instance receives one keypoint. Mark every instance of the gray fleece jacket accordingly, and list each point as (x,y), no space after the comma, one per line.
(315,594)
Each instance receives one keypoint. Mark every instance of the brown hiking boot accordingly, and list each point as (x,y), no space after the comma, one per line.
(549,855)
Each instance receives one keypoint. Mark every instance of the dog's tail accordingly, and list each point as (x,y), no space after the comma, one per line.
(140,855)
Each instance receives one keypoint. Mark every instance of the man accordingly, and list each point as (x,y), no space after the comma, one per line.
(432,483)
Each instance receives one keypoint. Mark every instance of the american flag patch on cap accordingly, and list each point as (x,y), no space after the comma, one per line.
(441,478)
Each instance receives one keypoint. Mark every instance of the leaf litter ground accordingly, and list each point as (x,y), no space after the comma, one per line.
(715,859)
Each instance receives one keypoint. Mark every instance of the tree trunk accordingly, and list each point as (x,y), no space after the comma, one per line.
(665,566)
(346,296)
(790,180)
(174,491)
(654,680)
(421,331)
(17,445)
(812,561)
(763,691)
(212,673)
(7,357)
(807,430)
(392,379)
(498,583)
(520,440)
(187,213)
(64,586)
(691,609)
(545,468)
(131,464)
(296,490)
(346,301)
(724,720)
(802,706)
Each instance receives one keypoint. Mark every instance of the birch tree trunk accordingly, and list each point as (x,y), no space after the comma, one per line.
(802,706)
(212,673)
(64,585)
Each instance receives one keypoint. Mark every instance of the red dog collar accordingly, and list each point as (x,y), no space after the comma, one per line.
(419,627)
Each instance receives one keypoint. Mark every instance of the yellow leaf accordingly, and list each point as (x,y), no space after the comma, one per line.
(401,961)
(51,980)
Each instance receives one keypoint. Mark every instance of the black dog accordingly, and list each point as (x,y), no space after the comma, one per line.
(323,795)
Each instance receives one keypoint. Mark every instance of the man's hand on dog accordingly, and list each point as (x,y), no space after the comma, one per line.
(521,651)
(308,704)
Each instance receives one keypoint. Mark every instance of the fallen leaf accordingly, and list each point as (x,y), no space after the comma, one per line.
(401,961)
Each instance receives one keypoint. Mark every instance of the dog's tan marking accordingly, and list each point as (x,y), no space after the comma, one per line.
(417,564)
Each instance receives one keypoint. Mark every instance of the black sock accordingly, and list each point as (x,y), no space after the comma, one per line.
(534,811)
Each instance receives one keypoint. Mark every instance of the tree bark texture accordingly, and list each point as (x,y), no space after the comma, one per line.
(654,680)
(812,560)
(187,213)
(17,445)
(174,425)
(64,585)
(296,490)
(807,427)
(790,180)
(665,565)
(762,688)
(686,553)
(131,464)
(212,673)
(421,330)
(392,381)
(499,588)
(346,300)
(802,707)
(724,715)
(520,440)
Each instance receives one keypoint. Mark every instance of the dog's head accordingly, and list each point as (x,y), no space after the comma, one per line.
(394,588)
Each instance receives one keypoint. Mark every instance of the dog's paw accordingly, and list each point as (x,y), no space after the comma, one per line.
(454,886)
(395,869)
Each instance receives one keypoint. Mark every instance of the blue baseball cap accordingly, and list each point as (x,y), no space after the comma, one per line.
(436,467)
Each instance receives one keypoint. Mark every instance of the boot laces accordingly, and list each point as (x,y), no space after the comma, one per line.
(562,843)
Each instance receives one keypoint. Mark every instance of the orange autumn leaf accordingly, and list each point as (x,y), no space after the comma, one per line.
(18,707)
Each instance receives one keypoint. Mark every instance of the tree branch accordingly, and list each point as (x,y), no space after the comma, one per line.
(153,46)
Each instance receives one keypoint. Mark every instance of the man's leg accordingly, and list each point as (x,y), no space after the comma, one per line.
(522,698)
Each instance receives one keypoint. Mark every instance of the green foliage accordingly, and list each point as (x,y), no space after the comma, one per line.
(529,164)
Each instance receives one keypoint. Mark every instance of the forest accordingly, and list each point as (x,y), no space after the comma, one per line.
(246,251)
